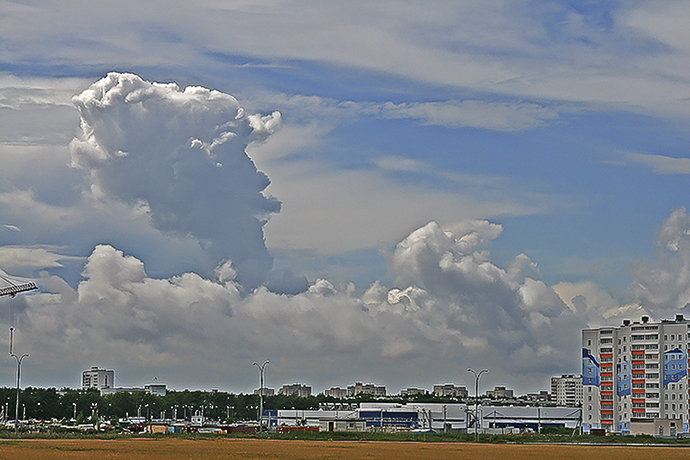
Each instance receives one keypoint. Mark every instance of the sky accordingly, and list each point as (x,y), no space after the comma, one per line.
(386,192)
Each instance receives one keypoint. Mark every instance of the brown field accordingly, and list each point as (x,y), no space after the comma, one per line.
(172,448)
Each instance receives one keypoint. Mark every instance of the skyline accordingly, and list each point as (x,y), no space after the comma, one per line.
(386,192)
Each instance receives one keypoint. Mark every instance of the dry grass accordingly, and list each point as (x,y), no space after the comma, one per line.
(174,448)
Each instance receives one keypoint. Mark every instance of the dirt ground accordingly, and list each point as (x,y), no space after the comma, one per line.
(173,448)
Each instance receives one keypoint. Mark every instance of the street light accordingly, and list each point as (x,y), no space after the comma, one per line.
(19,360)
(261,392)
(476,400)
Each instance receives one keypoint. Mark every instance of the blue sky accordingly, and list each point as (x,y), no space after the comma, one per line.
(563,122)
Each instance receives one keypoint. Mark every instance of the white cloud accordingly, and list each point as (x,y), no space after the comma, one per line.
(523,49)
(19,259)
(498,116)
(460,308)
(180,156)
(662,164)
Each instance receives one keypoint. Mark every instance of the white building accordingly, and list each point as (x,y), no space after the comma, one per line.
(449,389)
(635,372)
(97,378)
(566,390)
(336,392)
(366,389)
(297,389)
(264,391)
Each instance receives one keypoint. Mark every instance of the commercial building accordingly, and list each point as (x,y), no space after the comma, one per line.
(97,378)
(154,389)
(366,389)
(376,416)
(636,372)
(566,390)
(297,389)
(451,390)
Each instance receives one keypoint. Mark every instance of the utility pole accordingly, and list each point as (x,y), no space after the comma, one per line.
(19,360)
(476,400)
(261,367)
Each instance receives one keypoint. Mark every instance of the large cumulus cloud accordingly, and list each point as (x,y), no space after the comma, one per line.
(179,155)
(450,308)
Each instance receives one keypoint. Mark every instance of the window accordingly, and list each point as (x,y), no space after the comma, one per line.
(673,337)
(589,342)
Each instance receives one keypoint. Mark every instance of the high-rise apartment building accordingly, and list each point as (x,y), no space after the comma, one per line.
(566,390)
(97,378)
(636,371)
(303,391)
(449,389)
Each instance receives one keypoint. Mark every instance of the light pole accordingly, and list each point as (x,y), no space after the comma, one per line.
(261,367)
(19,360)
(74,405)
(476,400)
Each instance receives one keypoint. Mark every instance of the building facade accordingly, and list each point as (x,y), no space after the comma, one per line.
(566,390)
(264,391)
(500,393)
(297,389)
(635,372)
(336,392)
(412,392)
(366,389)
(97,378)
(449,389)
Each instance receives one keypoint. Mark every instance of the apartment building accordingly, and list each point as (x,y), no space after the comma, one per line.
(448,389)
(366,389)
(336,392)
(297,389)
(566,390)
(637,371)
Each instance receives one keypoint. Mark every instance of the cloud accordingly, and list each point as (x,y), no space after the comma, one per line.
(448,301)
(20,259)
(662,164)
(497,116)
(179,155)
(628,57)
(662,287)
(14,228)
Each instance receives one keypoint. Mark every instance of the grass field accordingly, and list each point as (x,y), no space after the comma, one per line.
(176,448)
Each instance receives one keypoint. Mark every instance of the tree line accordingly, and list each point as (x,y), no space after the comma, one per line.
(66,404)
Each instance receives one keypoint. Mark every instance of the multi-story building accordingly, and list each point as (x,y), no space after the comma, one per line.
(366,389)
(97,378)
(500,393)
(336,392)
(566,390)
(449,389)
(264,391)
(297,389)
(412,392)
(636,371)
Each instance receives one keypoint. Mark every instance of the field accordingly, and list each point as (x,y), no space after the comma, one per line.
(173,448)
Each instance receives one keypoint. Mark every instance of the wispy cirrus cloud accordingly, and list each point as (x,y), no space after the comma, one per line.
(661,164)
